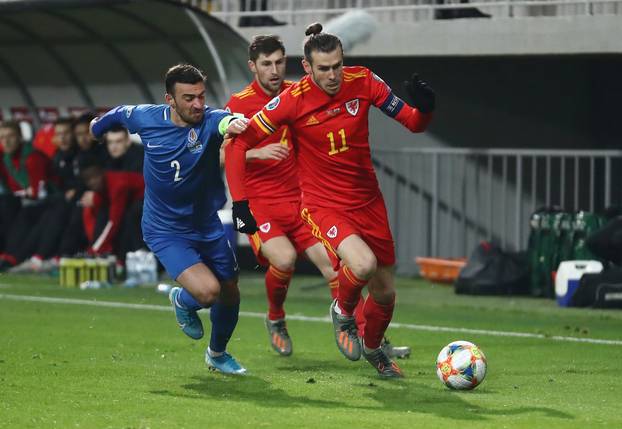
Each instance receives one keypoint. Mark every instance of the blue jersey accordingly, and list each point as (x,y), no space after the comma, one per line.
(183,180)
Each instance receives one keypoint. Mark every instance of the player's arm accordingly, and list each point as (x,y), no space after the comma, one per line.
(270,152)
(263,124)
(416,118)
(125,116)
(276,151)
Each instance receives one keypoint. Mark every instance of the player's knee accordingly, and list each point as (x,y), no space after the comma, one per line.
(383,296)
(284,261)
(365,265)
(230,293)
(208,294)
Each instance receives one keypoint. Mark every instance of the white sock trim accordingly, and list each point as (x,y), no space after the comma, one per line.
(338,309)
(213,353)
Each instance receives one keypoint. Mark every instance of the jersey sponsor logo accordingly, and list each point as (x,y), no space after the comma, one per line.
(332,232)
(273,103)
(312,121)
(352,106)
(128,111)
(265,227)
(194,146)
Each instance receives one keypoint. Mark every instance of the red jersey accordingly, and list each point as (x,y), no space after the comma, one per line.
(331,137)
(25,170)
(272,181)
(122,188)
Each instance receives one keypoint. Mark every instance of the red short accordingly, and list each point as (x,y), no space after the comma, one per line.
(332,226)
(281,219)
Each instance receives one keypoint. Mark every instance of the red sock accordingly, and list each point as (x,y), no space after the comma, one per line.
(334,287)
(277,283)
(349,290)
(377,318)
(359,316)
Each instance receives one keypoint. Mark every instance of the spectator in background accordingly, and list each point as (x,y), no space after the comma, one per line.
(89,150)
(123,155)
(43,242)
(26,174)
(108,224)
(65,162)
(43,140)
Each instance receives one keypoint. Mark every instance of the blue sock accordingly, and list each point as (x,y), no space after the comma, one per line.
(187,301)
(224,319)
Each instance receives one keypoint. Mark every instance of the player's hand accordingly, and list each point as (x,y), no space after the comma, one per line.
(421,93)
(272,151)
(237,126)
(87,199)
(243,220)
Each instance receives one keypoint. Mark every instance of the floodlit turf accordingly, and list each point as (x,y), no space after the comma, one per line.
(81,366)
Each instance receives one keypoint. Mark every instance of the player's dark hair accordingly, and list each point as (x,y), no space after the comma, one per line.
(319,42)
(264,44)
(182,73)
(14,125)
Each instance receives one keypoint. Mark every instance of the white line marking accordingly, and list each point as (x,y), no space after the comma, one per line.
(326,319)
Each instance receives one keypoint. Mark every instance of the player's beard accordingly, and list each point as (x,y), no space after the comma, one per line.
(191,117)
(273,87)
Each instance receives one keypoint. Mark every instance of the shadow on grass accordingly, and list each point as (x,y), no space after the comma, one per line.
(417,398)
(377,395)
(247,388)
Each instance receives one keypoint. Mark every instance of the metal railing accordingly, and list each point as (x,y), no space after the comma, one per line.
(442,202)
(301,12)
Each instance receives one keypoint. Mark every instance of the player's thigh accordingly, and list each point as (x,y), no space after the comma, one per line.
(176,254)
(268,228)
(280,252)
(319,256)
(358,256)
(219,257)
(382,285)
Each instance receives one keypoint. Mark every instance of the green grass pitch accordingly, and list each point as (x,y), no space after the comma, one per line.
(68,365)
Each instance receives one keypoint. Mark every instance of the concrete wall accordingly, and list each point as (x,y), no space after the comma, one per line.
(497,36)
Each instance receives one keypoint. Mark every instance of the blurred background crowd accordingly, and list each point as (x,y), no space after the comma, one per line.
(65,194)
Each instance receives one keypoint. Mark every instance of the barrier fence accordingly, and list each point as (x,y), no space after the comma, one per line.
(442,202)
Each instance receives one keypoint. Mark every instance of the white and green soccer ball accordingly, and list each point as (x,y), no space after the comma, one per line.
(461,365)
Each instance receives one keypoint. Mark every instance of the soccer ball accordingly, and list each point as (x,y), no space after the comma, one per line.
(461,365)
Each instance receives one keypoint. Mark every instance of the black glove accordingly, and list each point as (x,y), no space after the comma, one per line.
(422,94)
(243,220)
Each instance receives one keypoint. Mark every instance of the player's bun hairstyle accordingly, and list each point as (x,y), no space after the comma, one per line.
(264,44)
(319,42)
(182,73)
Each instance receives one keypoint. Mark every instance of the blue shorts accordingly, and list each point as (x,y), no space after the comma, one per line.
(177,254)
